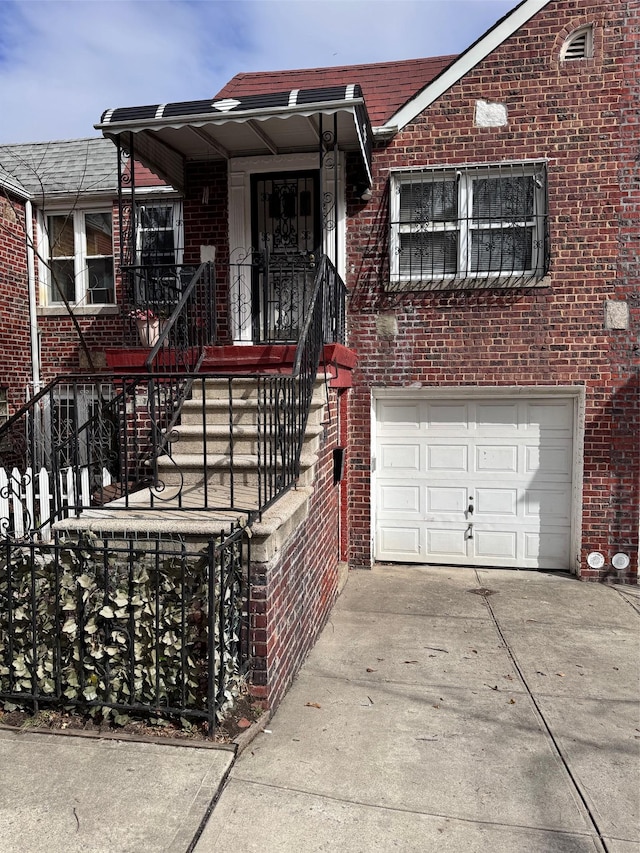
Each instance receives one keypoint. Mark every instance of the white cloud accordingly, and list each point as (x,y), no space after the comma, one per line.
(62,63)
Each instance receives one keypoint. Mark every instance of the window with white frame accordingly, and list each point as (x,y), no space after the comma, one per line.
(474,224)
(159,233)
(79,257)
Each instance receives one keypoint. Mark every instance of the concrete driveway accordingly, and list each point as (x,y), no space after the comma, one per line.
(451,710)
(442,709)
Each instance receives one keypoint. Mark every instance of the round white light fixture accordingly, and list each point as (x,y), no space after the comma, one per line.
(620,561)
(595,560)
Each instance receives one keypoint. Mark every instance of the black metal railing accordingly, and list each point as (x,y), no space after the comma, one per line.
(150,627)
(171,312)
(270,296)
(165,438)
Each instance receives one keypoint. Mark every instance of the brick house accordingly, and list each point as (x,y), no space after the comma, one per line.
(482,408)
(14,313)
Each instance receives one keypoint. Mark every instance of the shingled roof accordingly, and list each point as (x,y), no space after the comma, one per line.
(62,168)
(65,168)
(386,85)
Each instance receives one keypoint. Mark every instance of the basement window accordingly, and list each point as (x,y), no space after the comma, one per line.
(4,406)
(579,45)
(470,227)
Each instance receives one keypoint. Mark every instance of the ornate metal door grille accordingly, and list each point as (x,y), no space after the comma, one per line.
(286,239)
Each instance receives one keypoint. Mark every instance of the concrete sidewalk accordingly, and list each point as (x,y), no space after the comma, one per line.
(442,709)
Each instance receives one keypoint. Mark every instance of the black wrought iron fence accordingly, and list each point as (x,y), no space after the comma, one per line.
(165,438)
(146,627)
(171,312)
(270,296)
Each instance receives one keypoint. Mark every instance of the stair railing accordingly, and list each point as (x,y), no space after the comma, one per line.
(286,399)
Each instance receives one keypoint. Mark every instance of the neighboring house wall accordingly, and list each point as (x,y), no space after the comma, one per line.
(101,326)
(14,305)
(565,332)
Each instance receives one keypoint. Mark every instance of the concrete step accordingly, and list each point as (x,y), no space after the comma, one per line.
(246,439)
(242,412)
(192,470)
(246,387)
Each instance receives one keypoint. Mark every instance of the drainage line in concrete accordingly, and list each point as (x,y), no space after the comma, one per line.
(210,808)
(555,743)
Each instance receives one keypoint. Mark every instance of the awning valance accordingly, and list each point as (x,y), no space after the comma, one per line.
(166,136)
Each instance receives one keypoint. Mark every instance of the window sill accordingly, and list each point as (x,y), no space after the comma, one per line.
(525,282)
(78,310)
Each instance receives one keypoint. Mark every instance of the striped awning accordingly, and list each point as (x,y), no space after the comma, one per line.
(166,136)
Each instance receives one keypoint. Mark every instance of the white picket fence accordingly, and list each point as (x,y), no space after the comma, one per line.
(28,500)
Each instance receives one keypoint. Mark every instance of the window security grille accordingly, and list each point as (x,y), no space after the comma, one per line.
(4,406)
(476,226)
(159,234)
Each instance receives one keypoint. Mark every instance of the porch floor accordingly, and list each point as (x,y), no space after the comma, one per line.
(187,518)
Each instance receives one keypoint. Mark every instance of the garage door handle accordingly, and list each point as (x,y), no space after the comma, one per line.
(469,532)
(470,507)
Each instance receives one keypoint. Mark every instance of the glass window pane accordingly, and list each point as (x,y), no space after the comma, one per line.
(432,201)
(61,239)
(160,216)
(504,250)
(503,198)
(99,234)
(101,289)
(63,280)
(157,247)
(428,255)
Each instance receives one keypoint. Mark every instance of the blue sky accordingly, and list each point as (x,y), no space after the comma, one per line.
(63,62)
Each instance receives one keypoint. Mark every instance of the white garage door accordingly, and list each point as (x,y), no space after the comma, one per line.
(483,482)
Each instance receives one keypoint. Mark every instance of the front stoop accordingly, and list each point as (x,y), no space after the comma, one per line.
(182,474)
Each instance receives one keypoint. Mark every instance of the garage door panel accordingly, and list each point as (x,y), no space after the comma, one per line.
(447,499)
(446,415)
(496,416)
(395,417)
(446,542)
(547,548)
(500,502)
(394,456)
(496,458)
(549,504)
(555,460)
(552,417)
(448,457)
(490,545)
(511,459)
(400,543)
(401,498)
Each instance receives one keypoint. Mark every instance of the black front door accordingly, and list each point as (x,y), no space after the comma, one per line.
(286,239)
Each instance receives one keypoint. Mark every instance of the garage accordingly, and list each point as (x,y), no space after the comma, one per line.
(477,482)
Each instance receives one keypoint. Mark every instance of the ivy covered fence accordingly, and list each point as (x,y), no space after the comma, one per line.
(153,626)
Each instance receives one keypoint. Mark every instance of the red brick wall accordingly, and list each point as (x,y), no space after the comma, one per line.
(60,347)
(205,224)
(293,594)
(14,301)
(570,115)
